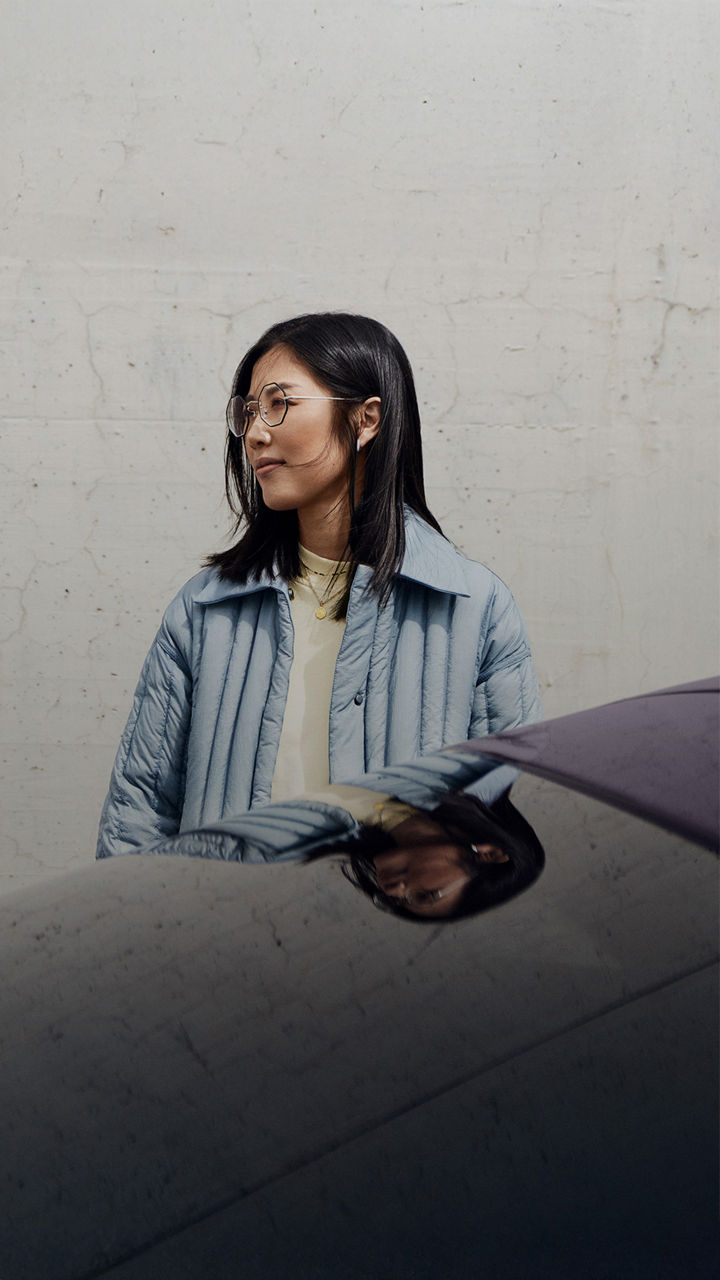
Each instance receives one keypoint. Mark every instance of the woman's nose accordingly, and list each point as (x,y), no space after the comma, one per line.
(257,434)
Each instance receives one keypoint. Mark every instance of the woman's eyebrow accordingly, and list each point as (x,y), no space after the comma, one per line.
(285,386)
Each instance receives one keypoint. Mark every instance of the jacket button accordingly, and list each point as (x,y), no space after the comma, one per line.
(359,699)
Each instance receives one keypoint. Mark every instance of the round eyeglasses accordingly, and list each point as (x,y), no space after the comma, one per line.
(424,897)
(272,404)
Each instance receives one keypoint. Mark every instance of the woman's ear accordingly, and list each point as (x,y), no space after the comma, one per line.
(490,853)
(368,421)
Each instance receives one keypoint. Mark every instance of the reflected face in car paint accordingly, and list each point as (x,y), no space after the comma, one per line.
(428,871)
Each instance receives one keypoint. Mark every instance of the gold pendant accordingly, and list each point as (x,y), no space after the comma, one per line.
(320,613)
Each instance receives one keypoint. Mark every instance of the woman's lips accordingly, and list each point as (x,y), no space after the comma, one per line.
(264,468)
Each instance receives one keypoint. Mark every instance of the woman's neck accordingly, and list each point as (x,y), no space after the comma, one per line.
(326,531)
(325,534)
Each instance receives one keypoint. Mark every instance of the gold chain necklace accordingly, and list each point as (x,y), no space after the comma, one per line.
(321,611)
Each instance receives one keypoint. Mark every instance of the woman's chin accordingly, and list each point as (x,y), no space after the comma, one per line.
(276,502)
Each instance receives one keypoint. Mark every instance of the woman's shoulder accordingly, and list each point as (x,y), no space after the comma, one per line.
(433,558)
(209,587)
(204,587)
(192,591)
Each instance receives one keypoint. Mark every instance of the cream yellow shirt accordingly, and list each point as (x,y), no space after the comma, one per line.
(303,762)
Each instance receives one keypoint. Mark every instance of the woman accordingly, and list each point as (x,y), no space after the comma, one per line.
(341,632)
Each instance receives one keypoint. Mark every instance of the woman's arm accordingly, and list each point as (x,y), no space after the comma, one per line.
(283,832)
(144,803)
(506,687)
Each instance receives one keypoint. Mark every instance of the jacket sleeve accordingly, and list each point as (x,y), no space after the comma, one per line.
(506,687)
(283,832)
(144,803)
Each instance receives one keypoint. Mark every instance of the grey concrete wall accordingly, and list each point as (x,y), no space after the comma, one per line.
(522,190)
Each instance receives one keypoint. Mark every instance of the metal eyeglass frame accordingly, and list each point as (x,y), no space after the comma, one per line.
(240,435)
(424,897)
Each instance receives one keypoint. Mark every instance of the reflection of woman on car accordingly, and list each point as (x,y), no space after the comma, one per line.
(342,631)
(426,853)
(456,860)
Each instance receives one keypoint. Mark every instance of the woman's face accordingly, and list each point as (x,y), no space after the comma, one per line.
(426,863)
(300,465)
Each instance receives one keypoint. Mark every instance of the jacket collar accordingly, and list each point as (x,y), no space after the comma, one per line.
(429,559)
(217,588)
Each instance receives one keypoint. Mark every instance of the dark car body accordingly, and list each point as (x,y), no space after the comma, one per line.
(220,1070)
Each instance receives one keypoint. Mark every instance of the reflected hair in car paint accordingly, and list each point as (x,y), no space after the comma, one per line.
(469,821)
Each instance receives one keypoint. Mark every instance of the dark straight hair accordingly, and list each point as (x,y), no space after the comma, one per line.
(354,357)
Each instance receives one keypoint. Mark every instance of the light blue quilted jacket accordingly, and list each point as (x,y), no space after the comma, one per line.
(447,659)
(292,829)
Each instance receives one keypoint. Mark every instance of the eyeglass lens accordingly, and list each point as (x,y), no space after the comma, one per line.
(271,404)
